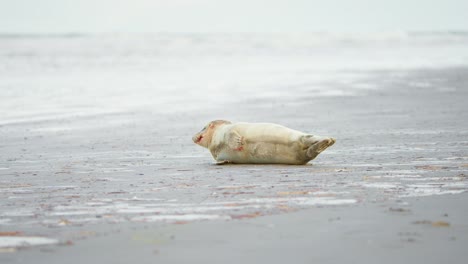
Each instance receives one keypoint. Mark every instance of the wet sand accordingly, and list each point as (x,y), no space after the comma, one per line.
(429,230)
(126,186)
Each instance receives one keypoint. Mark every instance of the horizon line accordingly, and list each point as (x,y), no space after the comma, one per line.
(82,34)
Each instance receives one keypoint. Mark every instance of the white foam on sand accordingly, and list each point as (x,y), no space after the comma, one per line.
(20,241)
(381,185)
(429,192)
(298,201)
(325,201)
(153,211)
(18,213)
(5,221)
(174,218)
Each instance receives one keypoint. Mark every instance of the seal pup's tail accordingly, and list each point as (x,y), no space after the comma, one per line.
(318,146)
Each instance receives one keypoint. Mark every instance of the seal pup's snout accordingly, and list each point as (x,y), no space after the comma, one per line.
(197,138)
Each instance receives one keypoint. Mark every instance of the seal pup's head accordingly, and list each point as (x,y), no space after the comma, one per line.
(203,138)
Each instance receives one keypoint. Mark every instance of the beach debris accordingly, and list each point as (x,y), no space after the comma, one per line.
(63,222)
(399,210)
(422,222)
(244,216)
(18,185)
(409,236)
(441,224)
(342,170)
(237,193)
(10,233)
(430,167)
(117,192)
(285,208)
(432,223)
(7,250)
(293,193)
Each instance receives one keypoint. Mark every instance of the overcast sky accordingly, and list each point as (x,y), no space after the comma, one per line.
(94,16)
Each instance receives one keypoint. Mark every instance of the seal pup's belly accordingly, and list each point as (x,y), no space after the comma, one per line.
(264,153)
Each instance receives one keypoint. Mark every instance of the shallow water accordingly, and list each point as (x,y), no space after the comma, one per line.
(60,77)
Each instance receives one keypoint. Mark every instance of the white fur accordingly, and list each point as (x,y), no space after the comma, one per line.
(260,143)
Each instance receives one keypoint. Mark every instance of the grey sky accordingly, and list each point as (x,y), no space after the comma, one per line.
(83,16)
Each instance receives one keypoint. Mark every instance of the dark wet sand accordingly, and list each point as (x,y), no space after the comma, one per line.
(392,189)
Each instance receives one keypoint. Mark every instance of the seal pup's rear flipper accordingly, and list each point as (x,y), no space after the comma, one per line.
(319,146)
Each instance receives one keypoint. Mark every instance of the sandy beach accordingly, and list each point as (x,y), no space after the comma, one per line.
(113,177)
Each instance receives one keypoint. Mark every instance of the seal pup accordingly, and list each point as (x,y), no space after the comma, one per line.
(260,143)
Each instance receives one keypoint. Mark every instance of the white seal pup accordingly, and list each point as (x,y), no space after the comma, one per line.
(261,143)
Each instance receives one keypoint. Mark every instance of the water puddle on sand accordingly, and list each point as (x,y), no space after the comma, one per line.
(25,241)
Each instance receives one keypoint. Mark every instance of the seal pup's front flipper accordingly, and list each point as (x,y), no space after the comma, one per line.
(223,162)
(236,141)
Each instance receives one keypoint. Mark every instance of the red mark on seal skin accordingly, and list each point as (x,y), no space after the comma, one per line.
(199,139)
(240,148)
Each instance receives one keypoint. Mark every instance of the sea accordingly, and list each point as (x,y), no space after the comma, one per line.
(45,77)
